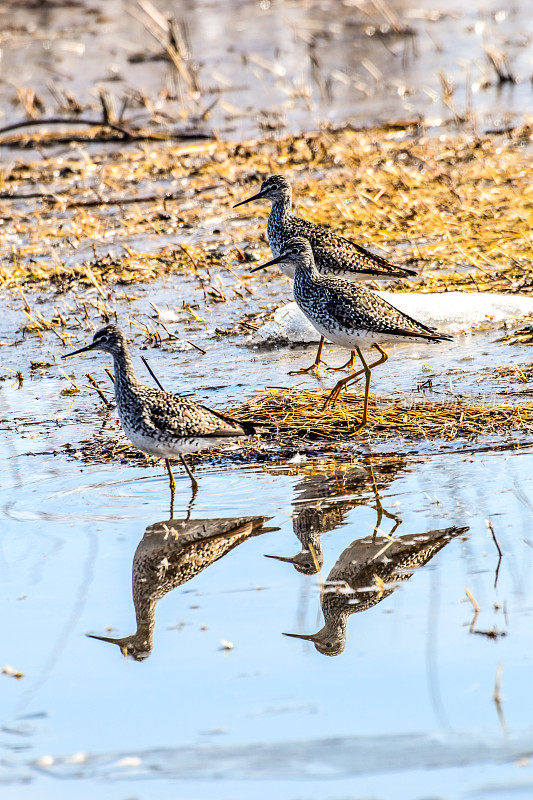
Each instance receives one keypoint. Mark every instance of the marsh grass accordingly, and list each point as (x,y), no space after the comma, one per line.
(458,206)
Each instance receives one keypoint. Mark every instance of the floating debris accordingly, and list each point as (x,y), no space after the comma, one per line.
(11,672)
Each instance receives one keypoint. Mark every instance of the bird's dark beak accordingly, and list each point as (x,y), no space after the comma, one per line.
(257,196)
(81,350)
(103,638)
(277,260)
(281,558)
(309,637)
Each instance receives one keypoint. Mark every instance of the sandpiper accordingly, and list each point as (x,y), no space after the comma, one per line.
(169,554)
(159,423)
(324,502)
(348,315)
(366,572)
(334,255)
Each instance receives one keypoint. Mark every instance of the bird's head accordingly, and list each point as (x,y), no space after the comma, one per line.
(137,646)
(296,252)
(308,562)
(329,640)
(109,339)
(273,188)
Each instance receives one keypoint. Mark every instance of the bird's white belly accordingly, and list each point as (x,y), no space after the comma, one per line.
(171,447)
(352,339)
(287,269)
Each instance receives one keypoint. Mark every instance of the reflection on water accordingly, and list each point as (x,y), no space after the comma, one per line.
(324,500)
(366,572)
(170,554)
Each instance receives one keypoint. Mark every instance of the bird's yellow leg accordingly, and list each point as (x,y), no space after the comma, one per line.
(170,476)
(194,482)
(334,396)
(172,483)
(350,364)
(315,366)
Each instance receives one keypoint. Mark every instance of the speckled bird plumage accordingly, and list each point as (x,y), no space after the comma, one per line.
(170,554)
(320,507)
(334,255)
(368,571)
(346,313)
(157,422)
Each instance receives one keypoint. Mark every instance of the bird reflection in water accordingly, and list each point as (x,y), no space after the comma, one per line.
(326,496)
(169,554)
(366,572)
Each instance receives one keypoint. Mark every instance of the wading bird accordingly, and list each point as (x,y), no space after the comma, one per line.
(348,315)
(334,255)
(159,423)
(367,572)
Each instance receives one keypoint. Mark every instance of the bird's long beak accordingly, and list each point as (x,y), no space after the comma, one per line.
(81,350)
(282,558)
(277,260)
(257,196)
(309,637)
(103,638)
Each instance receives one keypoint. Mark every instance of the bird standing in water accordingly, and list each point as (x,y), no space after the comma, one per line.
(159,423)
(366,572)
(169,554)
(334,255)
(348,315)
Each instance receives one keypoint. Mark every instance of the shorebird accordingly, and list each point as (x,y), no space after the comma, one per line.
(323,503)
(334,255)
(170,554)
(348,315)
(369,570)
(159,423)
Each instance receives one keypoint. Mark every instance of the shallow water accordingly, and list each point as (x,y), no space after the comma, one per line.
(272,65)
(409,700)
(407,707)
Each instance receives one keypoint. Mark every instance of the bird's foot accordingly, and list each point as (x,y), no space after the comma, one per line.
(332,398)
(314,369)
(350,366)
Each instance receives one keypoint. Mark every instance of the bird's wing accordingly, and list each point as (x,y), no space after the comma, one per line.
(355,306)
(171,413)
(410,551)
(337,254)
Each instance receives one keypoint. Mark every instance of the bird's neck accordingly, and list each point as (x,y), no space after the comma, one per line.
(124,372)
(281,210)
(306,272)
(335,625)
(337,604)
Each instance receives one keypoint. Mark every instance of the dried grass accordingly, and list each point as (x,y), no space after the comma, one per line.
(457,202)
(293,415)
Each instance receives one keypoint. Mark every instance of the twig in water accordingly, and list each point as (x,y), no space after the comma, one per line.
(97,389)
(476,610)
(196,347)
(472,600)
(496,696)
(152,373)
(498,548)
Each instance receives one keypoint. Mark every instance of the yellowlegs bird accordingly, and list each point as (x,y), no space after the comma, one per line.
(169,554)
(159,423)
(366,572)
(324,502)
(334,255)
(348,315)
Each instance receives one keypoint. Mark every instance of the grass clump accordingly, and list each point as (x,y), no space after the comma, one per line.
(292,415)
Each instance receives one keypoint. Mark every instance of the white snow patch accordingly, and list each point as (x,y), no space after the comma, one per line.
(449,312)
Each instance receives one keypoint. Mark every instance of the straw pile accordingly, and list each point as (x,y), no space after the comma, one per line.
(293,415)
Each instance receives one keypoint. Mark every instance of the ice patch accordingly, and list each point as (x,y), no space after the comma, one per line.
(449,312)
